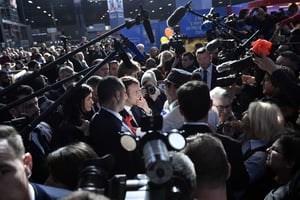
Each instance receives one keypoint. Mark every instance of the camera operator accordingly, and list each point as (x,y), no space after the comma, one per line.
(152,92)
(259,19)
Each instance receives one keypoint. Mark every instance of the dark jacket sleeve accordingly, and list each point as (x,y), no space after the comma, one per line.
(288,86)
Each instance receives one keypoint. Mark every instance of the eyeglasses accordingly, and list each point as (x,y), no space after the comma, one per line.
(223,107)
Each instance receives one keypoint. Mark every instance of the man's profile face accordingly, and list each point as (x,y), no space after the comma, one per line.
(134,94)
(30,107)
(13,179)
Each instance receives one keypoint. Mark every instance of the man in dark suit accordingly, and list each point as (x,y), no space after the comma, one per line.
(16,167)
(106,125)
(135,105)
(194,104)
(206,69)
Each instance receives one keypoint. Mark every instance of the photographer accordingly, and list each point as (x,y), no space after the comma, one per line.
(153,94)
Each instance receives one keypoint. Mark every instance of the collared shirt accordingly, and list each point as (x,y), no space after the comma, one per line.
(116,114)
(128,109)
(125,127)
(209,75)
(31,192)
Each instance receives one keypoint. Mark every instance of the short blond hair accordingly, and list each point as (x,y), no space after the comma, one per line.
(265,120)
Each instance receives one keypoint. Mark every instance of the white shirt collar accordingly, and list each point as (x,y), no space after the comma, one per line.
(31,192)
(116,114)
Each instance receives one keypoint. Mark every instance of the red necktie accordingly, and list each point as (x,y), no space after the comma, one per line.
(128,120)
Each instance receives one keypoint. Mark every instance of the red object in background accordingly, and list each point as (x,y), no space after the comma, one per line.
(269,3)
(261,46)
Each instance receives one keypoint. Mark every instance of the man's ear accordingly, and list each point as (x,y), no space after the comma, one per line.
(27,160)
(117,95)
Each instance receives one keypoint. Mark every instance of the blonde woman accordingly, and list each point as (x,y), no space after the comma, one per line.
(262,123)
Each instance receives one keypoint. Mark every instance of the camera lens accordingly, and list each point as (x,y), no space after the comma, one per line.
(150,90)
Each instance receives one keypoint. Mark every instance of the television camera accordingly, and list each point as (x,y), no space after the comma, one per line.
(169,175)
(177,41)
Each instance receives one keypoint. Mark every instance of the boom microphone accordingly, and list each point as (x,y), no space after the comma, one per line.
(178,14)
(147,25)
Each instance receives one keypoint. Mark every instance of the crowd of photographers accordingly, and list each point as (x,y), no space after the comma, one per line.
(241,124)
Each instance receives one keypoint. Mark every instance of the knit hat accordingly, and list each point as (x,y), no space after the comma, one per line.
(149,75)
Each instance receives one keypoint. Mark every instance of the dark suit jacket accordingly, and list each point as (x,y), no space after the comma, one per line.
(43,192)
(238,180)
(55,94)
(105,139)
(214,76)
(137,113)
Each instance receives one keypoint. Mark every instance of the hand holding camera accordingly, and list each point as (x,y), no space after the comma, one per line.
(151,91)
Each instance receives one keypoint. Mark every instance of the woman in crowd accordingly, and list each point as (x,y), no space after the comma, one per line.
(261,123)
(74,127)
(284,160)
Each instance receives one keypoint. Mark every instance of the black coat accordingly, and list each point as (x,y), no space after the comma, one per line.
(105,138)
(238,180)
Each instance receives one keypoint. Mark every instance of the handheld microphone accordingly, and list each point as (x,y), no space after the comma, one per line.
(178,14)
(147,25)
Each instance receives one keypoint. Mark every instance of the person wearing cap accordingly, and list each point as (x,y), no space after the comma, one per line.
(173,119)
(154,96)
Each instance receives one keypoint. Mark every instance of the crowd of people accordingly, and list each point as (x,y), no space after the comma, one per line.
(242,137)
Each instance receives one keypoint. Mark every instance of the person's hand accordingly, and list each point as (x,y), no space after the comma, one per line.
(248,80)
(152,96)
(142,103)
(265,63)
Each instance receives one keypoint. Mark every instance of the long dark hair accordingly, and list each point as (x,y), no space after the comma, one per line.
(73,106)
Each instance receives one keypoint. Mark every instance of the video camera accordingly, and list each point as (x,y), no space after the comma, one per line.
(169,175)
(177,41)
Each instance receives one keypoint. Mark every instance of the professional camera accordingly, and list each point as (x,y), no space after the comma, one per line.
(170,175)
(231,20)
(230,80)
(177,41)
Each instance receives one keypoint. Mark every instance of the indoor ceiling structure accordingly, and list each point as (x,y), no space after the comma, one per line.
(52,13)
